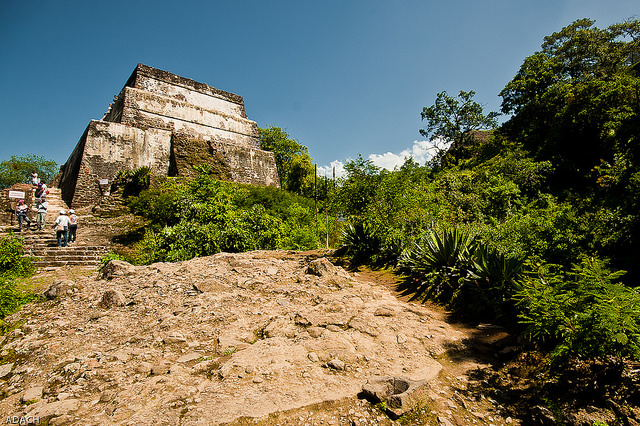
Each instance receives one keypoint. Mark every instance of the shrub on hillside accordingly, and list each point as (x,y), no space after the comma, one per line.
(585,313)
(13,265)
(207,216)
(451,265)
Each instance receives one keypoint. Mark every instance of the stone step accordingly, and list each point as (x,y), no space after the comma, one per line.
(60,263)
(74,259)
(94,254)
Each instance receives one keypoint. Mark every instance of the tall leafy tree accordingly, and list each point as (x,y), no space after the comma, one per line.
(295,167)
(454,120)
(18,169)
(576,101)
(359,185)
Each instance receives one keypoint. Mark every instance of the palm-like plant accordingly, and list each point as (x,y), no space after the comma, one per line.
(494,277)
(361,241)
(438,263)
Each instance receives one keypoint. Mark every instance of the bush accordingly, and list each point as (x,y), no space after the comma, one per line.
(134,181)
(207,216)
(582,314)
(439,262)
(360,241)
(13,265)
(452,266)
(11,297)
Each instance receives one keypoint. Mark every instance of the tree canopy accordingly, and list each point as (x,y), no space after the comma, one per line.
(19,168)
(454,119)
(576,101)
(295,167)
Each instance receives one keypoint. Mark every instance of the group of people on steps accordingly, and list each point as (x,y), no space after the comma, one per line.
(66,224)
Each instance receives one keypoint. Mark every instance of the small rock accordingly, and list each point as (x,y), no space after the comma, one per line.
(321,267)
(384,312)
(313,357)
(111,299)
(189,357)
(143,368)
(315,332)
(174,338)
(336,364)
(32,394)
(159,369)
(116,268)
(5,370)
(59,288)
(63,395)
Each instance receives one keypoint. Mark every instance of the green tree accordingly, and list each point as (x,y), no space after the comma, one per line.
(18,169)
(454,120)
(359,186)
(576,101)
(295,166)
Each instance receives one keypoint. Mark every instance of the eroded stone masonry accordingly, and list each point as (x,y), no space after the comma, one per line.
(170,124)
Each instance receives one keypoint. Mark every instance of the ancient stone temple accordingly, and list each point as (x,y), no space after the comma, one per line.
(170,124)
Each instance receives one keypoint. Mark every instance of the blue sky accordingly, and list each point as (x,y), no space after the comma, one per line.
(342,77)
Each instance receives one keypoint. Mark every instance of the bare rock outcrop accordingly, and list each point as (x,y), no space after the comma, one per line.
(59,288)
(214,340)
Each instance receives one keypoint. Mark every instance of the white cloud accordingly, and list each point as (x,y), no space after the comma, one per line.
(421,152)
(328,170)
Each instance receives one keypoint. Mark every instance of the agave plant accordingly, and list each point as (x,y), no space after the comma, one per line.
(495,269)
(360,241)
(438,262)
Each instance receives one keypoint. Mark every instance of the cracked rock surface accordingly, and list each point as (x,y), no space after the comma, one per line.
(212,340)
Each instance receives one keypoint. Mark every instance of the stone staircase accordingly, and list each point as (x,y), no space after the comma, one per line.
(42,244)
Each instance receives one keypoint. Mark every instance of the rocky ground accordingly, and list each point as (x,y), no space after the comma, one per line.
(268,337)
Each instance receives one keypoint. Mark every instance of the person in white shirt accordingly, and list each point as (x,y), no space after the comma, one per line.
(42,214)
(62,227)
(21,214)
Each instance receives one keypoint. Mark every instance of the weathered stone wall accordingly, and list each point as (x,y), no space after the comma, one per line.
(104,150)
(166,84)
(147,110)
(228,162)
(248,165)
(8,205)
(170,124)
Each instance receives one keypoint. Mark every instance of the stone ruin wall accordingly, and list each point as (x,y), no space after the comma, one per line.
(104,150)
(170,124)
(8,205)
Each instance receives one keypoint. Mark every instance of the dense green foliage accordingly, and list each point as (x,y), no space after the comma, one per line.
(517,225)
(207,216)
(19,168)
(133,181)
(576,104)
(295,167)
(585,313)
(13,265)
